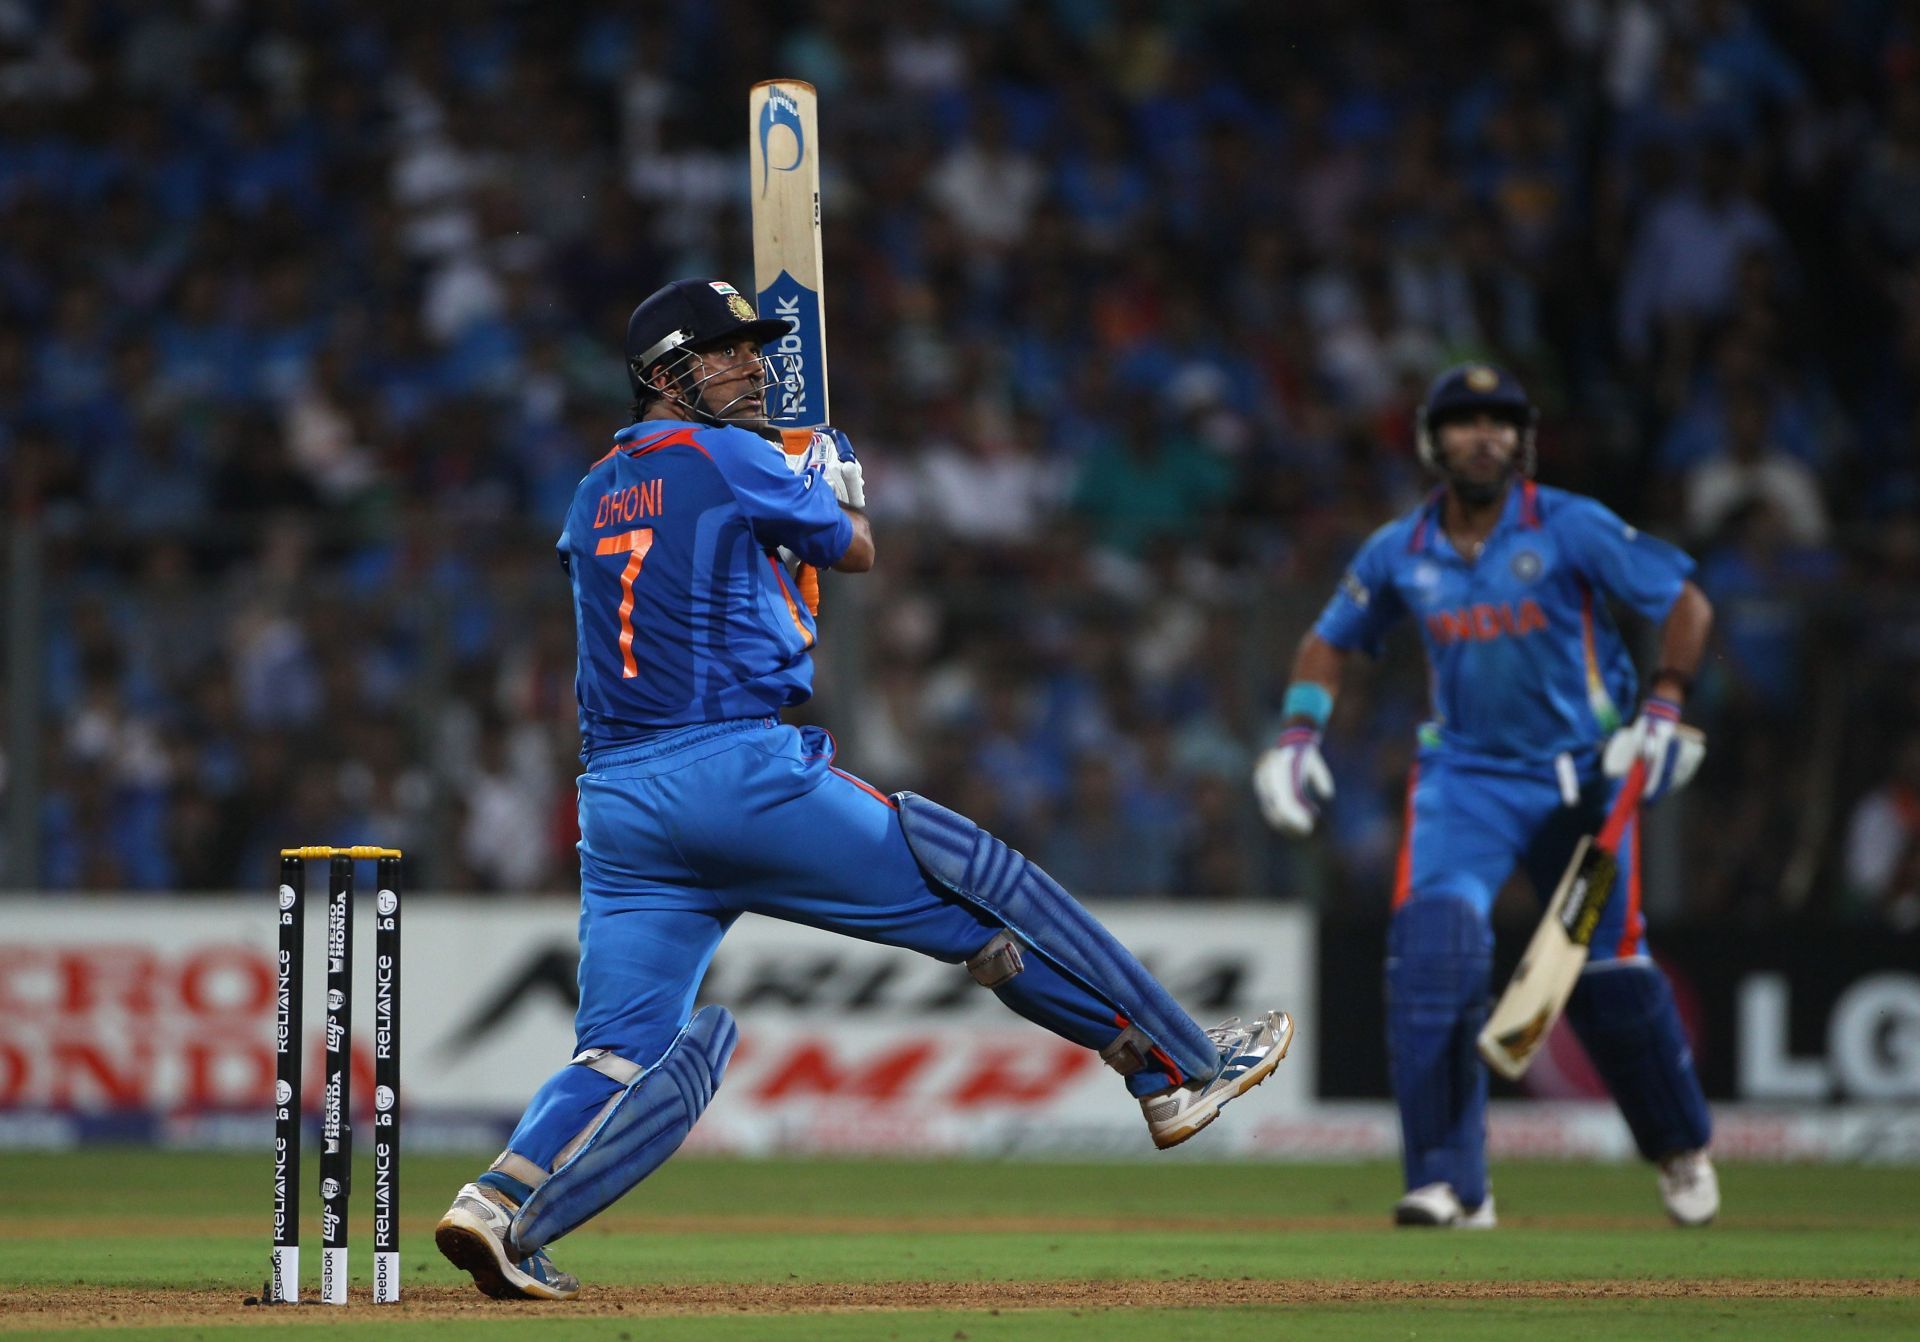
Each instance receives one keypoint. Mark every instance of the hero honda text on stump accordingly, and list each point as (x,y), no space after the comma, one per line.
(336,1156)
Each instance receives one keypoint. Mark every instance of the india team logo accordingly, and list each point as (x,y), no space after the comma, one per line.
(1526,566)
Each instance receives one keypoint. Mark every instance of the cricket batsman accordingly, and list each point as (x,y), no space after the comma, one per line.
(698,805)
(1508,583)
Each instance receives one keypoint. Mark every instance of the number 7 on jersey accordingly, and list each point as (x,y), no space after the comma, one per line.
(634,545)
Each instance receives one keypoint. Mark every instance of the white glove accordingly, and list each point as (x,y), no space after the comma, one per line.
(1672,750)
(1288,778)
(841,469)
(848,486)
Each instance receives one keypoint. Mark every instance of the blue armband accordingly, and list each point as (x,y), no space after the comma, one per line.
(1305,699)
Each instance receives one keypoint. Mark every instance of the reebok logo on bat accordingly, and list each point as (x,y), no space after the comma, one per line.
(796,356)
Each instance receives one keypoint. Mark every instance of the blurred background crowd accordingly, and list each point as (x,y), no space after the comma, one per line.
(310,315)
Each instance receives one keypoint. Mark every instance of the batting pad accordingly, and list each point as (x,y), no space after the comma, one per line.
(1439,964)
(982,870)
(1624,1015)
(635,1136)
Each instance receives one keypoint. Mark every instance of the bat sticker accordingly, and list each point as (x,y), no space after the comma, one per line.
(781,110)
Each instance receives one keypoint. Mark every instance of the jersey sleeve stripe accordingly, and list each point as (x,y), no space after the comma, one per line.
(632,447)
(793,608)
(1403,865)
(865,787)
(675,438)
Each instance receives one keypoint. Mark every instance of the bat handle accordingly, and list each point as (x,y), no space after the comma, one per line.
(1626,805)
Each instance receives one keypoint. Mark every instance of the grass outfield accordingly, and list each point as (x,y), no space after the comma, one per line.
(170,1245)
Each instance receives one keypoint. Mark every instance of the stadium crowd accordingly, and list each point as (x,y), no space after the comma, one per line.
(309,323)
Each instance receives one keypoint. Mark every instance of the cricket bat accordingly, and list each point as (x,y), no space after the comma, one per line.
(783,159)
(1545,977)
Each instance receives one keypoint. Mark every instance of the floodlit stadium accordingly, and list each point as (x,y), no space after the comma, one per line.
(1149,324)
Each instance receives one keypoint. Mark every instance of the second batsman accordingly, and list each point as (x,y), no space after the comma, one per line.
(1507,582)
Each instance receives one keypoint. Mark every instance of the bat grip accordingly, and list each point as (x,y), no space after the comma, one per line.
(1626,805)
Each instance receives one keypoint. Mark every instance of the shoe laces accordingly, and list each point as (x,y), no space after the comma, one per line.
(1227,1033)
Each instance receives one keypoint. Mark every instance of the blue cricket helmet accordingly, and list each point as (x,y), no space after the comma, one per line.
(1470,388)
(692,314)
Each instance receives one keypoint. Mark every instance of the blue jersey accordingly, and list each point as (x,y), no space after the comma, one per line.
(682,610)
(1526,662)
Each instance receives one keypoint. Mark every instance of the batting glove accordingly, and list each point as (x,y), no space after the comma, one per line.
(833,451)
(1290,775)
(1672,750)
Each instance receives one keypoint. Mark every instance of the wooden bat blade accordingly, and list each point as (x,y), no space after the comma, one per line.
(1534,998)
(788,281)
(1524,1015)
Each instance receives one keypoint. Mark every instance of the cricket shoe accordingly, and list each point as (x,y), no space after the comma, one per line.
(473,1236)
(1438,1205)
(1690,1188)
(1248,1055)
